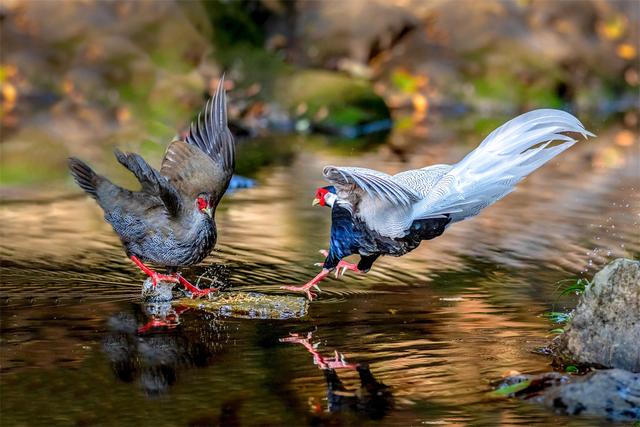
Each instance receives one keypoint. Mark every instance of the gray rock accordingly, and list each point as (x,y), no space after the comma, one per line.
(611,393)
(605,328)
(162,292)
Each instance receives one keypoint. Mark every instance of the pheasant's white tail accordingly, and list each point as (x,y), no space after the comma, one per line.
(503,159)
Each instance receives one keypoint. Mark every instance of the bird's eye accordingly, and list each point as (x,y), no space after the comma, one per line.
(202,203)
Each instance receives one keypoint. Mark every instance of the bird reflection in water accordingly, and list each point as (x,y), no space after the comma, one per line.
(155,349)
(162,316)
(372,399)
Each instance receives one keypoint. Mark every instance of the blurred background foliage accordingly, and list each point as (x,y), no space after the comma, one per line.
(81,76)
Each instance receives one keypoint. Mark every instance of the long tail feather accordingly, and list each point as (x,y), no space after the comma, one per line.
(505,157)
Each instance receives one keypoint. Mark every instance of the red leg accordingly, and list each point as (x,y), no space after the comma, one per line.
(149,272)
(195,291)
(341,267)
(306,288)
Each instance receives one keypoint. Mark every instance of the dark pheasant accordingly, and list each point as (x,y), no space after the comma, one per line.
(170,220)
(374,214)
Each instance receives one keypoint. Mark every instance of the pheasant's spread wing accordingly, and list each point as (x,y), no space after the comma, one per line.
(153,183)
(384,204)
(205,161)
(422,180)
(361,183)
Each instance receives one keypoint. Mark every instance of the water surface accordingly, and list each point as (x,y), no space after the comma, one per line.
(436,327)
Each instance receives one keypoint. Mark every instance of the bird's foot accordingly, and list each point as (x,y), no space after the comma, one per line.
(194,290)
(344,266)
(313,283)
(155,277)
(339,362)
(304,288)
(325,253)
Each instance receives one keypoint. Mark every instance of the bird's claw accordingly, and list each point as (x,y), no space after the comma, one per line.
(325,253)
(157,277)
(194,291)
(339,362)
(306,289)
(343,266)
(313,283)
(200,293)
(311,295)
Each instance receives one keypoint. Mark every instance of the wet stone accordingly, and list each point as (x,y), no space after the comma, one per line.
(162,292)
(611,393)
(250,305)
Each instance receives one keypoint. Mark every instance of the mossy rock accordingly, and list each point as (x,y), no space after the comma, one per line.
(250,305)
(329,99)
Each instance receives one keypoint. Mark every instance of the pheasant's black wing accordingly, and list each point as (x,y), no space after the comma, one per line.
(131,213)
(205,161)
(153,183)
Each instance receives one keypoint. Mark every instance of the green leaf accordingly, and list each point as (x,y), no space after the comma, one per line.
(572,369)
(557,316)
(577,288)
(510,389)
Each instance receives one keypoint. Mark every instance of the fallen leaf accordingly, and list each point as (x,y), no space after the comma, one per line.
(510,389)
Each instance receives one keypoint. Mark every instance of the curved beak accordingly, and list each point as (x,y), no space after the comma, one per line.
(208,211)
(315,202)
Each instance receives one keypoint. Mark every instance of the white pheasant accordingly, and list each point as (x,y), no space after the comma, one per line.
(375,214)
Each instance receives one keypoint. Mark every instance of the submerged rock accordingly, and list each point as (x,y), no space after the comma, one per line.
(250,305)
(611,393)
(162,292)
(605,327)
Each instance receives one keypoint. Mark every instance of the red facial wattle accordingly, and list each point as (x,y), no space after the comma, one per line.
(320,193)
(202,203)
